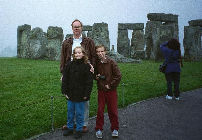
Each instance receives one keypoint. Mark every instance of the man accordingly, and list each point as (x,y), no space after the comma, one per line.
(66,52)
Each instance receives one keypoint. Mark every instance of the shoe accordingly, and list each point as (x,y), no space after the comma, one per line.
(85,129)
(169,97)
(115,133)
(78,135)
(68,132)
(99,134)
(177,98)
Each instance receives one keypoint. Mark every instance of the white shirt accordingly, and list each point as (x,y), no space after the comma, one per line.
(76,43)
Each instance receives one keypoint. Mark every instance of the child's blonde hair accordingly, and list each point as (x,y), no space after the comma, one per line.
(85,57)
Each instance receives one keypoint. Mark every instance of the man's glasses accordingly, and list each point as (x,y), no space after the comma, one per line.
(76,27)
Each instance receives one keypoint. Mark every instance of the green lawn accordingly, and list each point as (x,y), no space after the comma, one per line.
(26,87)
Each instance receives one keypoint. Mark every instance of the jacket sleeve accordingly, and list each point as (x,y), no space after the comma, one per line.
(93,53)
(65,80)
(65,53)
(62,57)
(88,82)
(116,75)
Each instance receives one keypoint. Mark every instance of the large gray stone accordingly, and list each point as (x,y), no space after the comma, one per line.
(38,42)
(162,17)
(121,59)
(130,26)
(150,34)
(161,28)
(192,43)
(100,34)
(197,22)
(55,37)
(87,28)
(23,33)
(137,42)
(123,43)
(139,55)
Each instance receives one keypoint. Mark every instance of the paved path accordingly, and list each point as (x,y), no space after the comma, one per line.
(153,119)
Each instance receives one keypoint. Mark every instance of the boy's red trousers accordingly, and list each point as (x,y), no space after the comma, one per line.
(109,98)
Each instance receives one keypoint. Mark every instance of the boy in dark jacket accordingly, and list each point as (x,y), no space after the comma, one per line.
(77,84)
(108,77)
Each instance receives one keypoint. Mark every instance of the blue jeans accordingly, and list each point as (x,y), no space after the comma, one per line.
(78,108)
(175,78)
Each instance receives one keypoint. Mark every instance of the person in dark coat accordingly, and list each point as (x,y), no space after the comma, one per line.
(68,46)
(77,85)
(172,54)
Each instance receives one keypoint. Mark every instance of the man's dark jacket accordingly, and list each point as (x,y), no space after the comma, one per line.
(66,51)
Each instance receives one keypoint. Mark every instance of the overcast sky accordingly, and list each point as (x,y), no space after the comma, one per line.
(45,13)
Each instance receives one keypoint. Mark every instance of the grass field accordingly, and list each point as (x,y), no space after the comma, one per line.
(26,88)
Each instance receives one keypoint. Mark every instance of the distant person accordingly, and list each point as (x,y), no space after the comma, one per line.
(77,84)
(68,46)
(172,54)
(108,77)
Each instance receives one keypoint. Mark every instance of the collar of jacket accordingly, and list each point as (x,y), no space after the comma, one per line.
(78,61)
(105,60)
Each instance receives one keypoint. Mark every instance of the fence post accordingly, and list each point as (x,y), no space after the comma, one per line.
(123,96)
(52,118)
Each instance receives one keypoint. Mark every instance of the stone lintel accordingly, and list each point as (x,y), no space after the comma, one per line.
(197,22)
(24,27)
(87,28)
(131,26)
(55,32)
(35,32)
(162,17)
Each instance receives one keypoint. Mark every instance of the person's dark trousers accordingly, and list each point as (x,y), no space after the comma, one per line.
(109,98)
(173,77)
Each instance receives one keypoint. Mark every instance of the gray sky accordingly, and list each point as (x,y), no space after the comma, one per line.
(44,13)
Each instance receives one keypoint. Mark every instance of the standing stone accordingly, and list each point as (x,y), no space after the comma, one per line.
(137,44)
(193,40)
(55,37)
(100,34)
(161,27)
(38,42)
(87,28)
(23,33)
(123,43)
(137,41)
(150,35)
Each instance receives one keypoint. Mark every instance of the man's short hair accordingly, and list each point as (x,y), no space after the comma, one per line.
(78,21)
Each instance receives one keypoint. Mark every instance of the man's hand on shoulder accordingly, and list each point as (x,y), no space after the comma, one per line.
(91,68)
